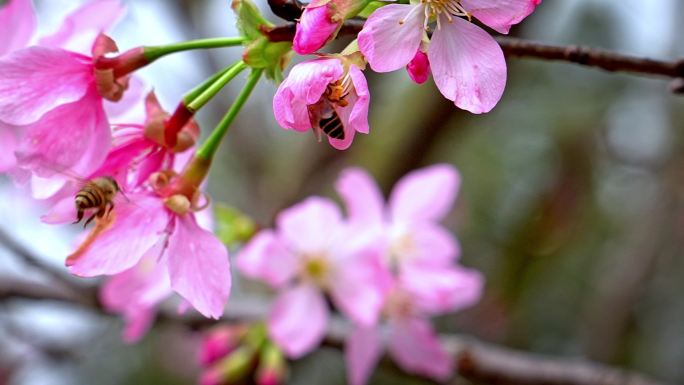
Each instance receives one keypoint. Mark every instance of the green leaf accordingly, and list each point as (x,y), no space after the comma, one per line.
(370,8)
(250,22)
(273,57)
(232,226)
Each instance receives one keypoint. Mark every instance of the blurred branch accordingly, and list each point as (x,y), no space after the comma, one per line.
(515,47)
(475,360)
(36,263)
(483,362)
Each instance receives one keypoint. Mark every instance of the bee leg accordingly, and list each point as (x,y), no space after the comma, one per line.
(97,214)
(79,216)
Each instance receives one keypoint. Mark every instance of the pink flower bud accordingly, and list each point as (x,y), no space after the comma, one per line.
(219,343)
(314,30)
(211,377)
(419,67)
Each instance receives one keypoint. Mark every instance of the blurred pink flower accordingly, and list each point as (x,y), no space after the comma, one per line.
(194,260)
(312,253)
(467,63)
(17,25)
(135,294)
(422,256)
(316,92)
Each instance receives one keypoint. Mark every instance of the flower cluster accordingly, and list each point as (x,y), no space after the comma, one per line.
(329,94)
(55,108)
(391,264)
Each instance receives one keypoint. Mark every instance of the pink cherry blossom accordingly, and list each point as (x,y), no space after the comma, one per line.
(312,253)
(317,90)
(409,223)
(421,255)
(410,340)
(467,64)
(314,29)
(193,259)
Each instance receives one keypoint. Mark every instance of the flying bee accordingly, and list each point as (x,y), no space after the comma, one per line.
(323,114)
(97,193)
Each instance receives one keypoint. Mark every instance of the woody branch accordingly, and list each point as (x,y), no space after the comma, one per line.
(475,360)
(515,47)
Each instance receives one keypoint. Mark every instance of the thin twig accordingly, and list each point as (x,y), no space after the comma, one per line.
(515,47)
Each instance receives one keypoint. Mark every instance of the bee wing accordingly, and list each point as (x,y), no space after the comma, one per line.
(66,172)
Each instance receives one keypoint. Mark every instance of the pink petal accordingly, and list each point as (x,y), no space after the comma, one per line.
(313,30)
(388,44)
(64,211)
(361,196)
(426,194)
(298,320)
(439,290)
(138,225)
(135,292)
(304,86)
(310,226)
(78,30)
(44,188)
(415,347)
(428,244)
(419,67)
(500,14)
(36,80)
(355,115)
(199,267)
(267,259)
(18,21)
(468,65)
(8,143)
(362,351)
(72,137)
(356,286)
(130,107)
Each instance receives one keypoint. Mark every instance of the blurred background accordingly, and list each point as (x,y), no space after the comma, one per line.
(572,201)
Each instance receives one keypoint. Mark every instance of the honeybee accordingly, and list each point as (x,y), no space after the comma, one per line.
(96,193)
(324,114)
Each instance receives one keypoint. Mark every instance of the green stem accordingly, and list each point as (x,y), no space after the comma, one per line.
(153,53)
(212,89)
(209,147)
(192,94)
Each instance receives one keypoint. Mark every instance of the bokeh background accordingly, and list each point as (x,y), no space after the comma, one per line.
(572,201)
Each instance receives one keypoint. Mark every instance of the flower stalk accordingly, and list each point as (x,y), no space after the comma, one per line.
(209,147)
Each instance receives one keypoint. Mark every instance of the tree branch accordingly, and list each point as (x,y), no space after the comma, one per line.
(475,360)
(515,47)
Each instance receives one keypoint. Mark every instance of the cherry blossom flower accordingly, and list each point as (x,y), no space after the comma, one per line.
(161,223)
(421,255)
(329,95)
(409,337)
(77,31)
(466,62)
(311,253)
(138,151)
(320,22)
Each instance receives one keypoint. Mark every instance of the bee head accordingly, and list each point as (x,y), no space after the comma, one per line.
(115,185)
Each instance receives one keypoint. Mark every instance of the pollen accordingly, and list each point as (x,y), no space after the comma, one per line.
(448,8)
(316,269)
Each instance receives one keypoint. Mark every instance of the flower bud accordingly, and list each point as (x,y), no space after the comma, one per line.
(219,343)
(320,22)
(419,67)
(272,366)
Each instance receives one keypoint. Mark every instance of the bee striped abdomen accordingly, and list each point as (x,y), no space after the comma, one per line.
(332,126)
(89,197)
